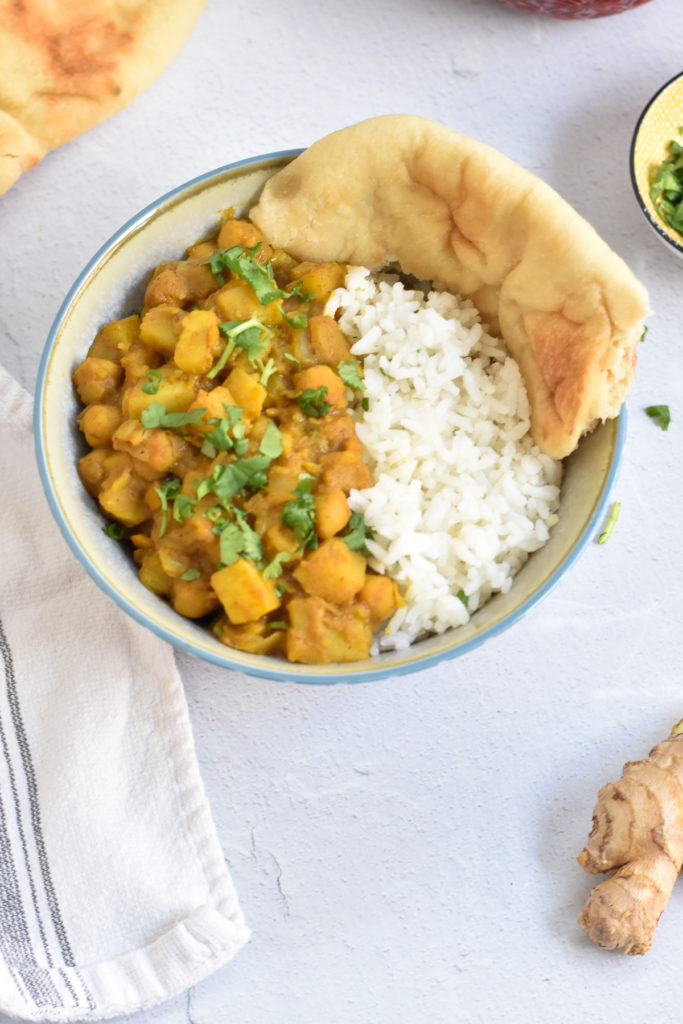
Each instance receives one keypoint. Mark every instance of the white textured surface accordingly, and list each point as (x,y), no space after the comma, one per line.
(404,850)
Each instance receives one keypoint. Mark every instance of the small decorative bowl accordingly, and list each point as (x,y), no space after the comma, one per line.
(574,8)
(657,126)
(113,283)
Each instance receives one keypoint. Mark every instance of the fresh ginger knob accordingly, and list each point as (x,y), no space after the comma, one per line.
(638,832)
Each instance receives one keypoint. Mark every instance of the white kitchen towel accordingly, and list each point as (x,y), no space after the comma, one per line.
(114,892)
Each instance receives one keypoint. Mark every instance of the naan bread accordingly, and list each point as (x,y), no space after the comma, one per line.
(69,64)
(456,212)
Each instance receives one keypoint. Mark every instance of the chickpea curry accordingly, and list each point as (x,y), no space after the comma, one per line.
(223,449)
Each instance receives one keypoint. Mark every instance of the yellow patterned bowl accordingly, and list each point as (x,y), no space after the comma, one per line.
(657,126)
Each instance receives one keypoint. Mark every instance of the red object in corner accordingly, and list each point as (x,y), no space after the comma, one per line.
(574,8)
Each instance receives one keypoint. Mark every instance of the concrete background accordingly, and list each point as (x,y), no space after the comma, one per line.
(405,850)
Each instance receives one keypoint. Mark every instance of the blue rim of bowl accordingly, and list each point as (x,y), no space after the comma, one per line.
(652,221)
(345,674)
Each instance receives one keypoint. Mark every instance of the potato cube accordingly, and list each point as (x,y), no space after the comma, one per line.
(160,328)
(96,379)
(320,633)
(243,592)
(115,338)
(98,423)
(332,511)
(332,571)
(247,391)
(382,597)
(323,376)
(175,393)
(327,340)
(321,279)
(198,343)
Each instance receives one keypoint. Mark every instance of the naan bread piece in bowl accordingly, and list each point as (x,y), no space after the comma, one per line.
(69,64)
(448,209)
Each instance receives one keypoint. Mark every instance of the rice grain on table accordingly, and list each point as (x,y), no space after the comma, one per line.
(461,495)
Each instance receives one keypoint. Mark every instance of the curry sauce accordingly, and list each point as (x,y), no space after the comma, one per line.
(223,449)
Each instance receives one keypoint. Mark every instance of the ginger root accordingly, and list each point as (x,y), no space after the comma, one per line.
(637,829)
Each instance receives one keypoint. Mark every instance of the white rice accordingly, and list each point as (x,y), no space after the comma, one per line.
(461,495)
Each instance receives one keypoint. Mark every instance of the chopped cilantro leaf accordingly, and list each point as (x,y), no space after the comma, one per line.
(183,507)
(237,539)
(299,513)
(348,371)
(267,371)
(277,623)
(462,596)
(645,329)
(271,442)
(166,493)
(292,359)
(357,533)
(116,530)
(155,415)
(660,414)
(242,262)
(151,385)
(227,481)
(191,574)
(299,321)
(312,402)
(365,403)
(274,568)
(666,187)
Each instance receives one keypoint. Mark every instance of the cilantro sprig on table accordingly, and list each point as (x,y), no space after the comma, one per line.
(661,414)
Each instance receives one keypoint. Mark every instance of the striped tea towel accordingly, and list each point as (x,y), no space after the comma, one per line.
(114,893)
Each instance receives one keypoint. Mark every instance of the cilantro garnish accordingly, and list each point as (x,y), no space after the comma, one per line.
(348,371)
(183,507)
(645,330)
(462,596)
(155,415)
(312,402)
(299,321)
(666,187)
(250,335)
(299,513)
(267,371)
(166,493)
(237,539)
(242,262)
(660,414)
(292,359)
(271,442)
(151,385)
(365,403)
(219,440)
(227,481)
(357,533)
(191,574)
(274,568)
(117,531)
(277,623)
(611,523)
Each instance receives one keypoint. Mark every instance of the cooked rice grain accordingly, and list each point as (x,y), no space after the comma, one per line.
(461,495)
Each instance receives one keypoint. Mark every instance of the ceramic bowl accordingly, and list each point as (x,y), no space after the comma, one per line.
(113,283)
(657,126)
(574,8)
